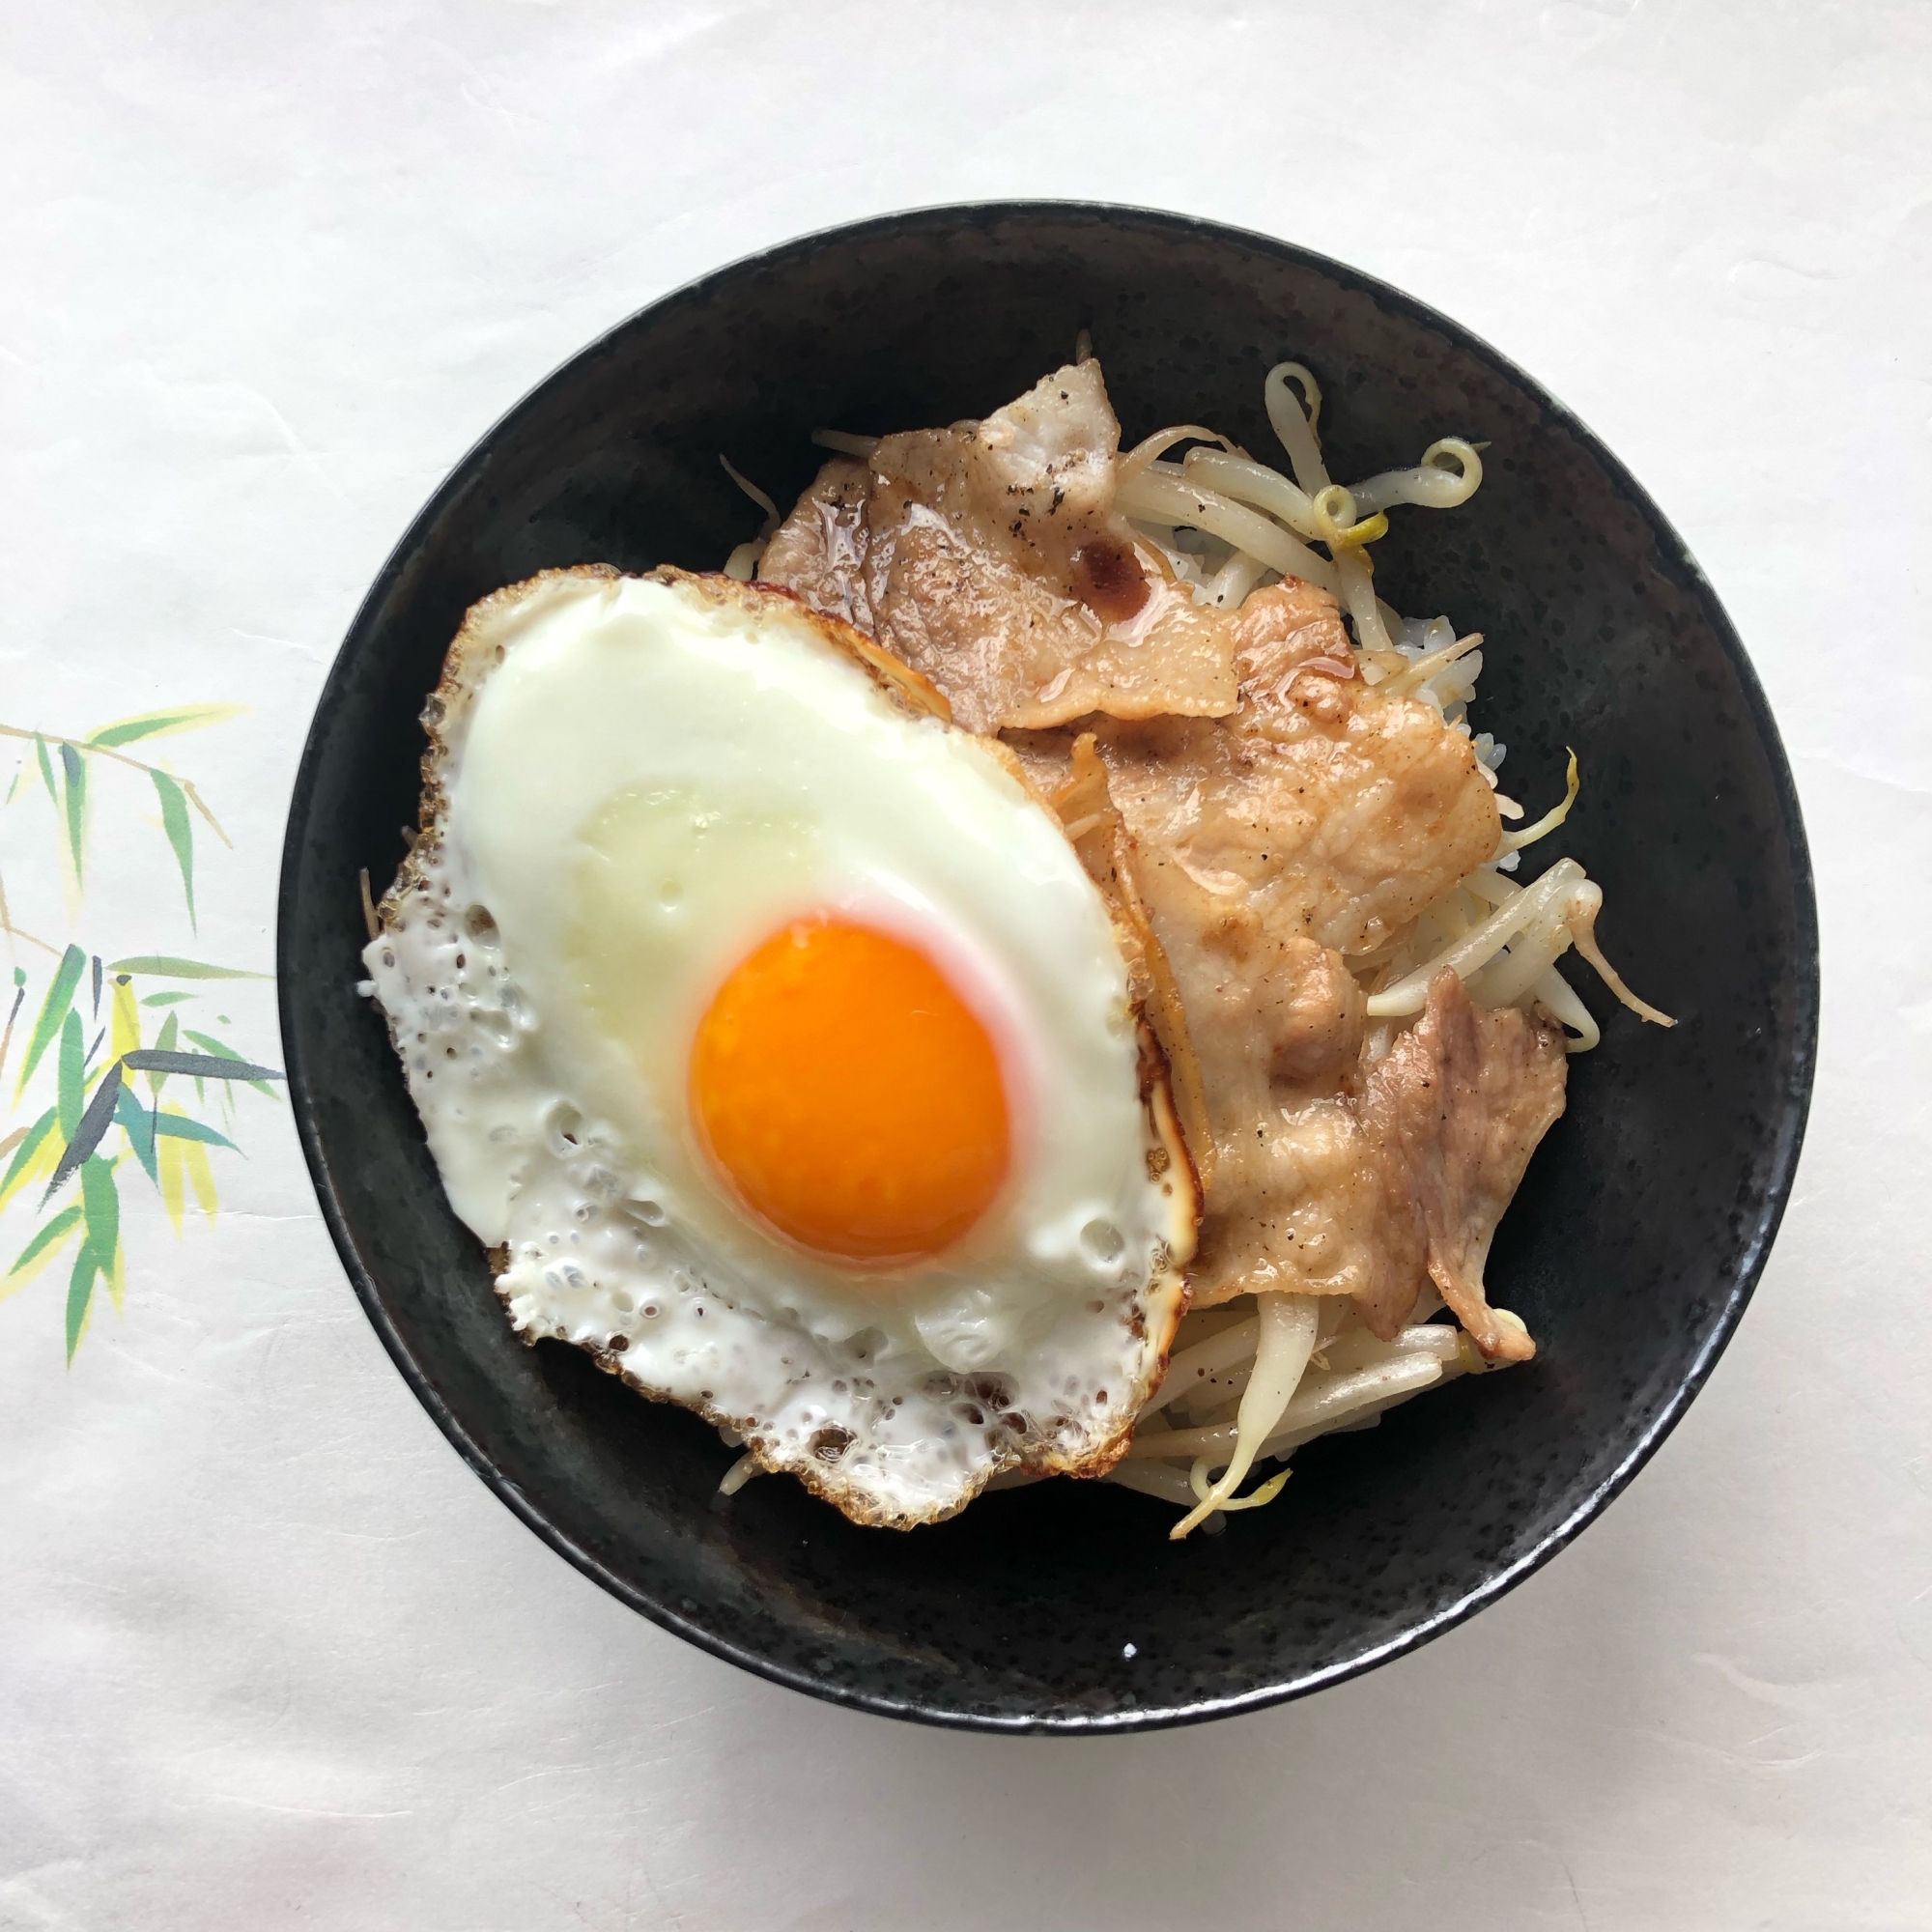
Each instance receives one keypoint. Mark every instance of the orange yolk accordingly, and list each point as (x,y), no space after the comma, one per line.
(849,1095)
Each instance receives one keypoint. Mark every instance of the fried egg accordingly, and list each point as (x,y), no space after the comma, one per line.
(767,1032)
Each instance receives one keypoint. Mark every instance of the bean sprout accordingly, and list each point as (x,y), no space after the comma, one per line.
(861,446)
(1295,425)
(1431,485)
(743,563)
(1163,495)
(1284,1340)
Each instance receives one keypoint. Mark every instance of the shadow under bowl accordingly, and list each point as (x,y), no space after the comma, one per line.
(1645,1217)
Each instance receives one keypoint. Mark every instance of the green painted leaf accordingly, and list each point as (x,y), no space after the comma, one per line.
(70,1093)
(37,1136)
(167,999)
(94,1124)
(47,769)
(79,1295)
(74,767)
(179,1127)
(54,1009)
(180,828)
(197,1065)
(138,1123)
(157,723)
(170,1031)
(227,1052)
(56,1230)
(7,1031)
(164,966)
(100,1202)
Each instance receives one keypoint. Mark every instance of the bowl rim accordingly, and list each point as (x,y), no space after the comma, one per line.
(1787,1131)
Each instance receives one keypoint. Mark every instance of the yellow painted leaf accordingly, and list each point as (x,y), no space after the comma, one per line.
(116,1279)
(169,1157)
(201,1177)
(43,1162)
(127,1020)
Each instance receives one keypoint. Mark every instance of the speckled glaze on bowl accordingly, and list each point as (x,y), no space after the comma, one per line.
(1643,1222)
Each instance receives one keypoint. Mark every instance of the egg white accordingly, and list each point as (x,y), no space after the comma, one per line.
(632,782)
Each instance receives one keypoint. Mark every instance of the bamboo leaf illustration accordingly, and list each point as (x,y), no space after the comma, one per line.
(86,1137)
(166,999)
(71,1091)
(47,769)
(95,966)
(99,1256)
(53,1010)
(158,724)
(227,1052)
(164,966)
(80,1295)
(180,1127)
(201,1177)
(170,1028)
(171,1155)
(127,1017)
(11,1141)
(74,767)
(12,1014)
(200,804)
(199,1066)
(116,1279)
(51,1236)
(40,1250)
(180,828)
(38,1147)
(139,1125)
(100,1203)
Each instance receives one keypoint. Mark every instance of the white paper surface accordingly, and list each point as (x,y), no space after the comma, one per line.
(269,1655)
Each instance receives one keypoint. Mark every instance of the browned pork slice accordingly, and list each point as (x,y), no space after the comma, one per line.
(819,550)
(990,557)
(1361,1190)
(1455,1109)
(1256,851)
(1323,807)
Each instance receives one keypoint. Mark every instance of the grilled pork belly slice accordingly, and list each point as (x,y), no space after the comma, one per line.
(1256,851)
(1455,1109)
(990,557)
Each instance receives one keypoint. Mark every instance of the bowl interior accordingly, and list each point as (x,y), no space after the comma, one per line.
(1643,1223)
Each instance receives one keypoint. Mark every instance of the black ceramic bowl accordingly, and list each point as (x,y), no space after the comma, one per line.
(1643,1222)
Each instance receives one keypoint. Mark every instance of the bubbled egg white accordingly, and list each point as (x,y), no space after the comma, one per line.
(632,781)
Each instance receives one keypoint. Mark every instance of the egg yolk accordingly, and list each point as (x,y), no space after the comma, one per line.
(849,1096)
